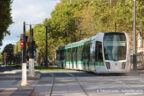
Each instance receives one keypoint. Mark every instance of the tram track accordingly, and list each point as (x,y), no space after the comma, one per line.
(52,86)
(83,84)
(75,80)
(84,91)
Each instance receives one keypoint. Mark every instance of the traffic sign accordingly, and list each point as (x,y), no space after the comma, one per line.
(21,43)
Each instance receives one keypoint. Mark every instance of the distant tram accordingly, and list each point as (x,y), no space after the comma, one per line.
(103,53)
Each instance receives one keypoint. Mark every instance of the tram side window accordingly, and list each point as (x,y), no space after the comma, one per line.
(73,53)
(66,55)
(58,55)
(69,55)
(88,51)
(79,53)
(83,53)
(76,53)
(62,55)
(98,52)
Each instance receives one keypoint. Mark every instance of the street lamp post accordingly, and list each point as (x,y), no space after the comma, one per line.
(46,59)
(135,43)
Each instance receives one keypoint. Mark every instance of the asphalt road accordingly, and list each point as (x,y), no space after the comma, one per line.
(79,83)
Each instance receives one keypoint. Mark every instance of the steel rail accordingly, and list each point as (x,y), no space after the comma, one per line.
(78,83)
(52,86)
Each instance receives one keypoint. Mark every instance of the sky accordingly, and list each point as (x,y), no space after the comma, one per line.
(30,11)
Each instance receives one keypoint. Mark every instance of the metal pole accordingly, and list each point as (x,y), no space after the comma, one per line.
(31,43)
(135,43)
(142,40)
(46,59)
(24,44)
(115,27)
(31,57)
(24,64)
(142,33)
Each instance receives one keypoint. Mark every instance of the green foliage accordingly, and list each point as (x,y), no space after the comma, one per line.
(79,19)
(102,16)
(5,17)
(9,49)
(61,28)
(17,47)
(65,22)
(42,68)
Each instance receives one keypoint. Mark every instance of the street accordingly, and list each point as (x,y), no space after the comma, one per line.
(77,83)
(45,45)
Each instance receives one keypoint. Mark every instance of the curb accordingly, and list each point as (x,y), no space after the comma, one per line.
(31,92)
(37,77)
(23,91)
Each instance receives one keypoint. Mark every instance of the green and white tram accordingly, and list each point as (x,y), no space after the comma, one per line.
(103,53)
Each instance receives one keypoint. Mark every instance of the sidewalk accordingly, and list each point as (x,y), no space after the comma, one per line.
(10,84)
(136,73)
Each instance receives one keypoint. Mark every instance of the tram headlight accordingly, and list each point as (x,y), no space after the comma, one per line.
(107,65)
(123,65)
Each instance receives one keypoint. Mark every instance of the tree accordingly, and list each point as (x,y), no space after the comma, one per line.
(5,17)
(17,47)
(79,19)
(9,49)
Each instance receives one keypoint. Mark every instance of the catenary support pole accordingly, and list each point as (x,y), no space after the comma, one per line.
(24,64)
(142,33)
(135,41)
(115,27)
(46,59)
(142,41)
(31,58)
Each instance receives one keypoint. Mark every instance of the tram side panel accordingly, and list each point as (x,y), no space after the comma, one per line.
(92,57)
(86,56)
(79,58)
(59,59)
(99,62)
(68,60)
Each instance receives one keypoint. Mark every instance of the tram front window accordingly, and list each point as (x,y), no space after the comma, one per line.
(115,46)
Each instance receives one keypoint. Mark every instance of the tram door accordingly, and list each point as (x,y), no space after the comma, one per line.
(98,54)
(69,58)
(72,58)
(76,61)
(92,57)
(72,54)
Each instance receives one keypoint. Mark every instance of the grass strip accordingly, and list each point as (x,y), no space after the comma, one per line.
(43,68)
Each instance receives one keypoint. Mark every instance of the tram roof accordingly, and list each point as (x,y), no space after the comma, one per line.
(79,43)
(83,42)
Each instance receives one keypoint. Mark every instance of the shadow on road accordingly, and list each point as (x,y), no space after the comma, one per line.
(7,68)
(79,74)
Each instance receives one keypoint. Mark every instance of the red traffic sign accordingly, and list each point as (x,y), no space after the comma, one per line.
(21,43)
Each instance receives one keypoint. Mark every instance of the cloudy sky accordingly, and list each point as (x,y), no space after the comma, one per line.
(30,11)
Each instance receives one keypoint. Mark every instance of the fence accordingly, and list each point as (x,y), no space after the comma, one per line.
(140,60)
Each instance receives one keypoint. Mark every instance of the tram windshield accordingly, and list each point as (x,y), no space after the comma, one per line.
(115,46)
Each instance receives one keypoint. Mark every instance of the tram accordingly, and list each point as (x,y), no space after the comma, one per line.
(106,52)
